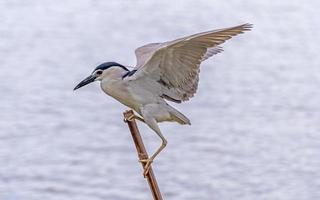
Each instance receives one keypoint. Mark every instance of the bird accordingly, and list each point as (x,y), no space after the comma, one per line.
(164,72)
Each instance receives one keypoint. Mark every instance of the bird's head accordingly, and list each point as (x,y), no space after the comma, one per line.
(100,72)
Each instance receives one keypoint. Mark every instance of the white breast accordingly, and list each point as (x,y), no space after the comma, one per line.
(118,90)
(132,93)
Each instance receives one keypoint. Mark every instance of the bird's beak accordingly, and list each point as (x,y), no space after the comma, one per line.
(86,81)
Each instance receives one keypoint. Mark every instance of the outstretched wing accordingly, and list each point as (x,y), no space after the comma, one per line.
(144,53)
(175,65)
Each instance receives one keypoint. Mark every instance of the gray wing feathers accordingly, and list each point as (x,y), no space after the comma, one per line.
(144,53)
(176,64)
(212,51)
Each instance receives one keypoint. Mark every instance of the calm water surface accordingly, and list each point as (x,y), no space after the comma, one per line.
(255,130)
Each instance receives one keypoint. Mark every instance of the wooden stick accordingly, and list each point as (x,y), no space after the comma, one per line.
(142,154)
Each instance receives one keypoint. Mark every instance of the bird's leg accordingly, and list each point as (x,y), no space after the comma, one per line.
(153,124)
(133,116)
(150,160)
(139,118)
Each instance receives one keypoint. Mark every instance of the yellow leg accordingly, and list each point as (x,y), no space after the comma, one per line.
(150,160)
(151,122)
(131,117)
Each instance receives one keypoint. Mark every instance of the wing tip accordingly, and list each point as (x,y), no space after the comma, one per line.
(246,26)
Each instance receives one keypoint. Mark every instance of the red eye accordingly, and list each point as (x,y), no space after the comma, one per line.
(99,72)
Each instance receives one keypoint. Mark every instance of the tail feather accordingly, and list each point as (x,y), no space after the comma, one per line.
(179,117)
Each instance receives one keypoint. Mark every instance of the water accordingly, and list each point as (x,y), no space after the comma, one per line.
(255,119)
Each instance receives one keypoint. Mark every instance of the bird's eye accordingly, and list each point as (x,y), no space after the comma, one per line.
(99,72)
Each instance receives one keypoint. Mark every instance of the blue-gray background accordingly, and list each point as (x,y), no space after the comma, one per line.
(255,119)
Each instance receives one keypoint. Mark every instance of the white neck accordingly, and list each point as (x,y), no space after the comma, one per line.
(113,85)
(113,73)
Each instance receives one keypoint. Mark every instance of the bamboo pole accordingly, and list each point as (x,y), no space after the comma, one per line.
(142,154)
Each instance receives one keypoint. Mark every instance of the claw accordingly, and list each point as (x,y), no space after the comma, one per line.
(128,119)
(147,166)
(131,117)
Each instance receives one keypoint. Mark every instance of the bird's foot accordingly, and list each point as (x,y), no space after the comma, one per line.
(147,166)
(129,118)
(132,117)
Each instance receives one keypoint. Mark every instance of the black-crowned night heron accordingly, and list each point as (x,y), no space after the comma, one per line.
(164,71)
